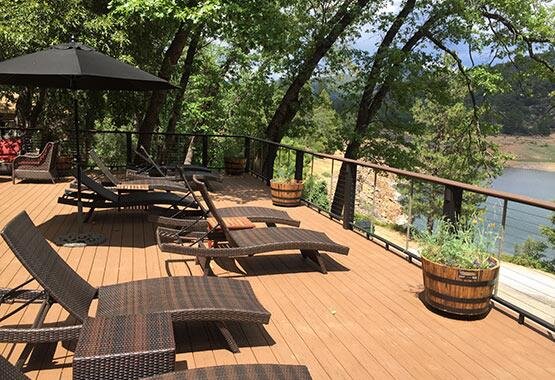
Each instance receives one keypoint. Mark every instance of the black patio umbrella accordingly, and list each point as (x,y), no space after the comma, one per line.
(77,67)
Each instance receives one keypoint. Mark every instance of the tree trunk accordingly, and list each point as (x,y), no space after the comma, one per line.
(23,107)
(176,112)
(289,105)
(171,56)
(27,115)
(372,98)
(187,71)
(37,109)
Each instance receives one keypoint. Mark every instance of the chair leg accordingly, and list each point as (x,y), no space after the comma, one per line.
(89,215)
(204,263)
(315,257)
(228,337)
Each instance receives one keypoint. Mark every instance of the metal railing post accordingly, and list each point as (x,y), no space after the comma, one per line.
(248,164)
(501,239)
(299,164)
(350,189)
(129,148)
(204,150)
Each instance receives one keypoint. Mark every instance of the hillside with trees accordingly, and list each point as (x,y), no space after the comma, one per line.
(527,106)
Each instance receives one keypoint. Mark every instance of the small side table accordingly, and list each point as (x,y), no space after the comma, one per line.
(232,223)
(128,187)
(125,347)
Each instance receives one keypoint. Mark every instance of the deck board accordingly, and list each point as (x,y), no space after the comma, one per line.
(362,320)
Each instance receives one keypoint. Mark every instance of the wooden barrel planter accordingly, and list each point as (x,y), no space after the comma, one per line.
(64,166)
(458,291)
(286,194)
(234,165)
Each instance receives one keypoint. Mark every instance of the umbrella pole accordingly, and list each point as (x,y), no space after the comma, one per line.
(79,239)
(78,159)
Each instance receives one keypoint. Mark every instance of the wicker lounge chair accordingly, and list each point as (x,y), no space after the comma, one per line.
(154,183)
(171,173)
(103,197)
(9,371)
(183,298)
(36,166)
(182,219)
(249,241)
(232,372)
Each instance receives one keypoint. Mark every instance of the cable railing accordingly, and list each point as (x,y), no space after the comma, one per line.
(386,205)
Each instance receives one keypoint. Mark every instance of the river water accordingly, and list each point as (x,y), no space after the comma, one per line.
(522,221)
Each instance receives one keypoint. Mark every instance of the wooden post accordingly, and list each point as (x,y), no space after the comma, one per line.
(452,202)
(205,150)
(350,189)
(129,148)
(299,164)
(248,164)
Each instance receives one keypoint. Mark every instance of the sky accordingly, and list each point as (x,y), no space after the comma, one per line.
(369,41)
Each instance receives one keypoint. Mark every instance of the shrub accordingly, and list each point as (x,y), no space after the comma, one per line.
(531,254)
(466,246)
(315,191)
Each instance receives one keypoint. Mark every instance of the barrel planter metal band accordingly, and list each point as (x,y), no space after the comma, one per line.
(458,291)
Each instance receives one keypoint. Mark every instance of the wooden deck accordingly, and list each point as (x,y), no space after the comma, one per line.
(362,320)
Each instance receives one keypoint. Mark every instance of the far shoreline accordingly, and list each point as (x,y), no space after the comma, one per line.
(543,166)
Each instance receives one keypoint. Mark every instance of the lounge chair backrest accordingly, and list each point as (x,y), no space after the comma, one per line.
(61,282)
(98,188)
(213,210)
(192,191)
(9,371)
(150,160)
(103,168)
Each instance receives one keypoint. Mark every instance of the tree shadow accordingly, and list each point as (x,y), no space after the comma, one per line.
(120,228)
(241,189)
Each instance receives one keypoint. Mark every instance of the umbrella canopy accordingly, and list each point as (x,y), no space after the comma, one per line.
(78,67)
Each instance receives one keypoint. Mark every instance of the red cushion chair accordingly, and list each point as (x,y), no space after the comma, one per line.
(9,149)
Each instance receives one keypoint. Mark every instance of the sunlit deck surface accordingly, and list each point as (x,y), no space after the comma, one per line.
(362,320)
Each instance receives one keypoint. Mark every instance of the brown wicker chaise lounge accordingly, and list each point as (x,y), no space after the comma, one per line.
(154,183)
(183,218)
(103,197)
(163,172)
(183,298)
(232,372)
(36,166)
(249,241)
